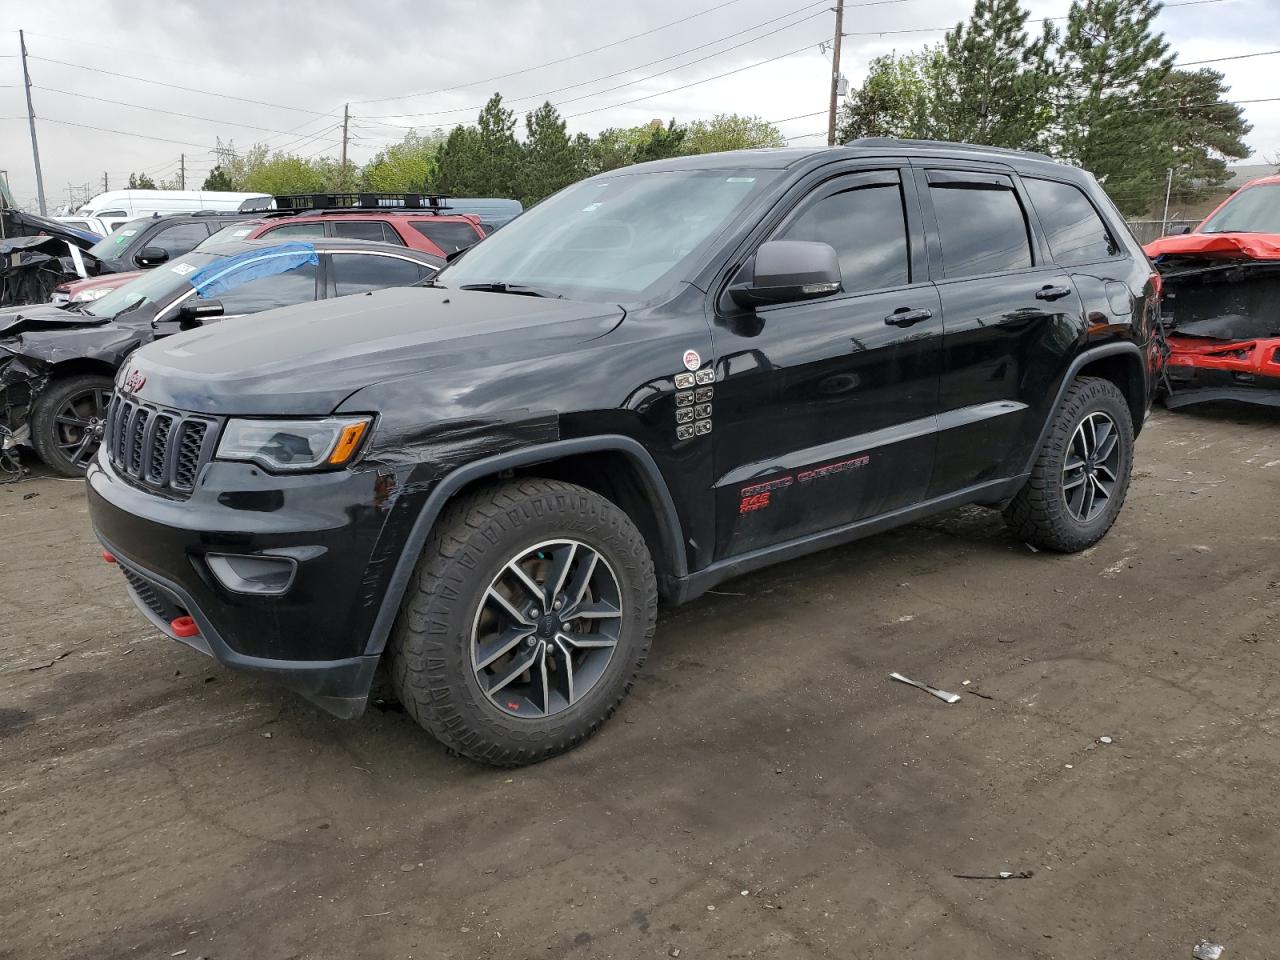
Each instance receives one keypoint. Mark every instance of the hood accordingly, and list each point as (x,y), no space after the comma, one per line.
(1229,246)
(44,316)
(305,360)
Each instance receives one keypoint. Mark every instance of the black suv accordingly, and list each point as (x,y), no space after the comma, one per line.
(150,241)
(657,379)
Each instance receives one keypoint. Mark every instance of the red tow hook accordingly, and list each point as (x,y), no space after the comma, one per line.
(184,627)
(108,557)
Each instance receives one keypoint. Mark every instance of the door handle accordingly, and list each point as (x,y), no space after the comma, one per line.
(905,317)
(1052,293)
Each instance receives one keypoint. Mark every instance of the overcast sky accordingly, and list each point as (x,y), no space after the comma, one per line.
(403,63)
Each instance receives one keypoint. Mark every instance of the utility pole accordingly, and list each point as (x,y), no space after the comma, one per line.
(105,184)
(346,116)
(835,74)
(31,121)
(182,171)
(1168,191)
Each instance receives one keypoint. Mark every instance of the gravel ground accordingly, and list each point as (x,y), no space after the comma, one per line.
(766,791)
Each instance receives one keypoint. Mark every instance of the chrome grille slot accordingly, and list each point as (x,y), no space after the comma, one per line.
(163,450)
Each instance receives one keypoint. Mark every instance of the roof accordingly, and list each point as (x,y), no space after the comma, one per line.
(324,243)
(780,158)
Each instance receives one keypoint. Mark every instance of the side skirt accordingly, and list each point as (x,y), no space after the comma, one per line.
(684,589)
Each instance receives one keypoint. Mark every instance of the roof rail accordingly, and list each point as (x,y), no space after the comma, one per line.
(944,145)
(315,202)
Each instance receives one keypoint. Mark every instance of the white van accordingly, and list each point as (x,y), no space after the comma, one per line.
(118,206)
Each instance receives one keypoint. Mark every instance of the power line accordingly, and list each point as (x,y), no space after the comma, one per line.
(123,133)
(175,86)
(641,66)
(1240,56)
(172,113)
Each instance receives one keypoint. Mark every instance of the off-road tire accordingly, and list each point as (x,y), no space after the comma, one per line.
(44,427)
(430,647)
(1039,513)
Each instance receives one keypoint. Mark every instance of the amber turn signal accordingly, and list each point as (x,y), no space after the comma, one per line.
(347,443)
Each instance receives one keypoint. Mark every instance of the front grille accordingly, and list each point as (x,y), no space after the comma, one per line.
(161,449)
(153,598)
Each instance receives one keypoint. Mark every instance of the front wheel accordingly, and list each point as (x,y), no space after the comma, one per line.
(1080,479)
(528,618)
(68,421)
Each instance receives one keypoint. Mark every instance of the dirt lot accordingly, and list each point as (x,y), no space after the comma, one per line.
(766,791)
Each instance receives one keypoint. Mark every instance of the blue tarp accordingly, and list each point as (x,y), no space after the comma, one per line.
(226,274)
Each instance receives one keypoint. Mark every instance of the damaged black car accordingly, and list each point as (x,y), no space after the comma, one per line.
(57,365)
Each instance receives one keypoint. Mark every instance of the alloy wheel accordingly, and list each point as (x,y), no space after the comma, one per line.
(546,629)
(79,425)
(1091,470)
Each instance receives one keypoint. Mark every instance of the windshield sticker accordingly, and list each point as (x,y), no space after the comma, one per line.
(128,233)
(740,180)
(240,233)
(182,269)
(692,361)
(593,206)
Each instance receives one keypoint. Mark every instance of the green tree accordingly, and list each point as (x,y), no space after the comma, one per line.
(730,131)
(657,141)
(1111,72)
(550,160)
(613,148)
(284,174)
(498,160)
(1204,131)
(897,98)
(140,181)
(405,167)
(218,179)
(336,176)
(989,85)
(457,163)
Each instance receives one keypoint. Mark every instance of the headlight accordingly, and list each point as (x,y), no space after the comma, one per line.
(85,296)
(294,444)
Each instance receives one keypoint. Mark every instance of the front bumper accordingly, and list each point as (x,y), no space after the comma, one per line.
(313,638)
(1201,371)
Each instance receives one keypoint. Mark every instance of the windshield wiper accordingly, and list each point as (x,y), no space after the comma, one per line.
(516,288)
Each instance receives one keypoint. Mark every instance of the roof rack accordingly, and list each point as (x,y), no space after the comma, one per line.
(339,202)
(943,145)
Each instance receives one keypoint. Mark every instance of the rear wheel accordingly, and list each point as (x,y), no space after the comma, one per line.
(68,422)
(1080,479)
(530,613)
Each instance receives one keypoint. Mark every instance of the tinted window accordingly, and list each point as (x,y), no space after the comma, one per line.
(365,230)
(311,230)
(113,244)
(278,290)
(1075,232)
(449,237)
(179,239)
(982,228)
(358,272)
(867,228)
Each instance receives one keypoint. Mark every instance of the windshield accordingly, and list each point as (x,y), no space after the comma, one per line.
(159,284)
(232,231)
(109,247)
(619,238)
(1252,210)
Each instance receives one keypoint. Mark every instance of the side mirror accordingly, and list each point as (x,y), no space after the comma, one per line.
(195,312)
(789,270)
(1179,231)
(151,256)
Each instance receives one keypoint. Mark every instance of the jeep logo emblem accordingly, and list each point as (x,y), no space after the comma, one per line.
(135,381)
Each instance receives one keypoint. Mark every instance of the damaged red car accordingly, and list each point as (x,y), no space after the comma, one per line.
(1221,306)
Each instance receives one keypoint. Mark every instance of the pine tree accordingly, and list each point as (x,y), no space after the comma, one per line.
(1111,82)
(498,157)
(218,179)
(550,160)
(1204,130)
(990,85)
(140,181)
(458,163)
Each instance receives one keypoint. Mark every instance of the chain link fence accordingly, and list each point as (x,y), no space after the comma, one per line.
(1148,230)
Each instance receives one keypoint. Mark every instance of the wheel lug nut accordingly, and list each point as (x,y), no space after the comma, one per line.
(530,642)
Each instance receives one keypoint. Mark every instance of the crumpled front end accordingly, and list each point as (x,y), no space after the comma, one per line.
(21,380)
(1222,317)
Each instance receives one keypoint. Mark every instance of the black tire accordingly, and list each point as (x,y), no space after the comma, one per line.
(475,543)
(64,446)
(1048,511)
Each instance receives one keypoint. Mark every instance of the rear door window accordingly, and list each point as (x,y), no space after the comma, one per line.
(1075,232)
(981,224)
(863,220)
(361,272)
(365,230)
(448,236)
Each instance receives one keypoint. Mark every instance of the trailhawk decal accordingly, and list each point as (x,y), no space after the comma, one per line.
(758,496)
